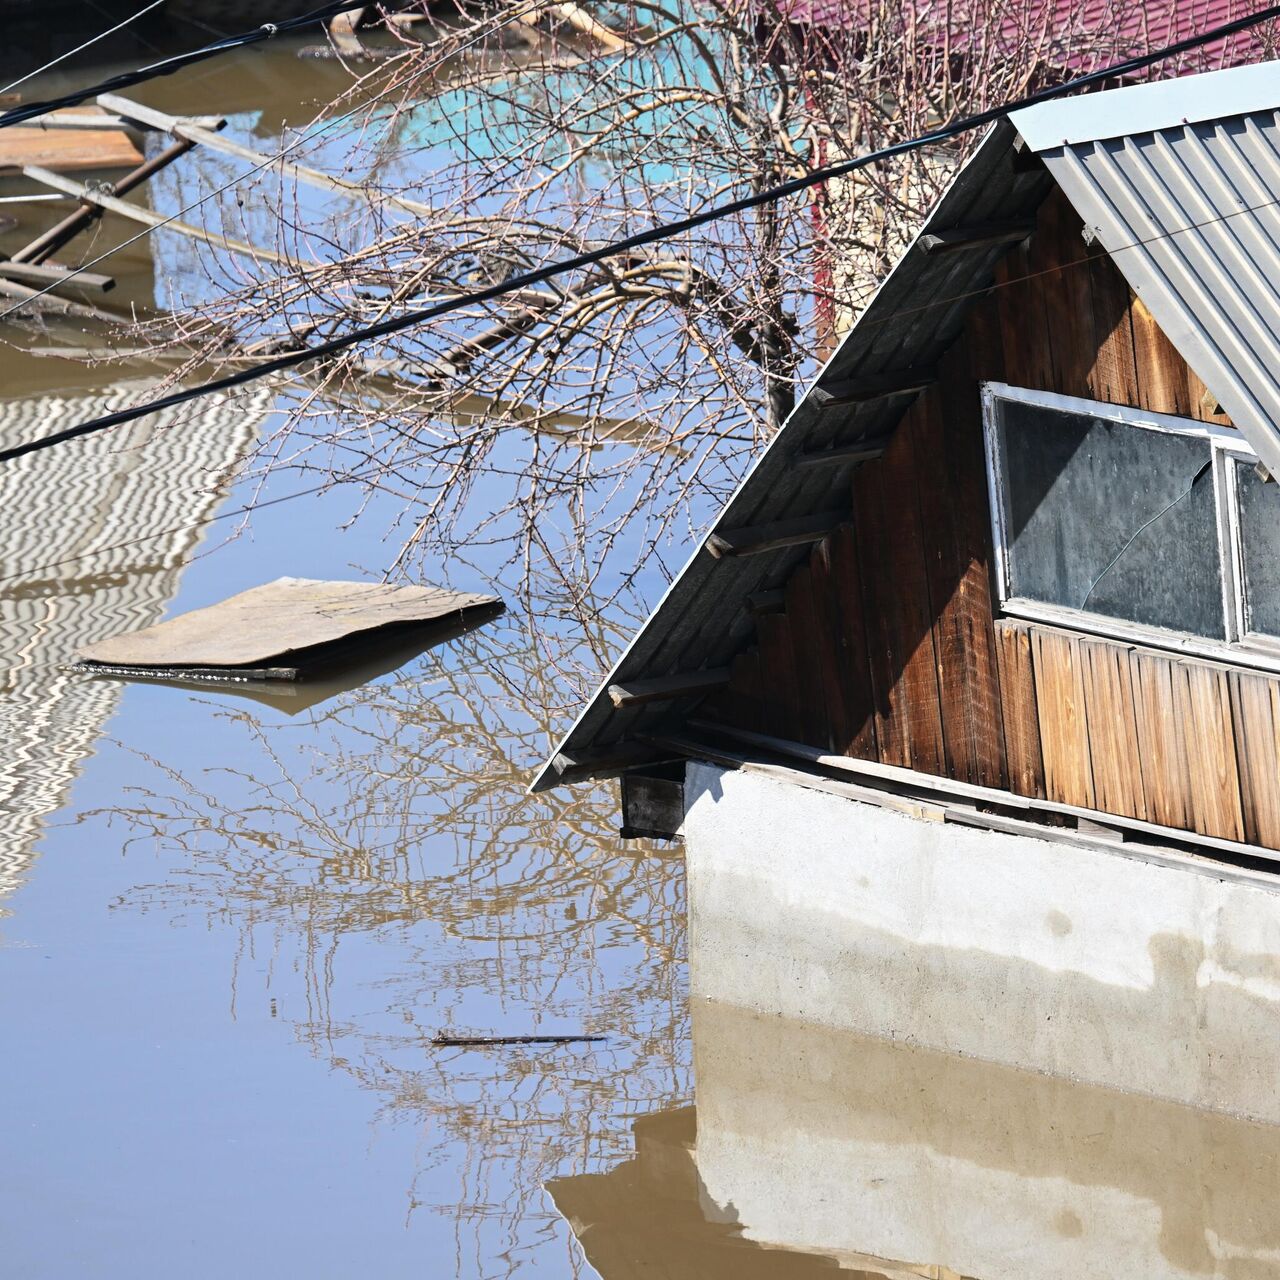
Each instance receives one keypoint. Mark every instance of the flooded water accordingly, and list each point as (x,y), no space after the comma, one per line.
(231,928)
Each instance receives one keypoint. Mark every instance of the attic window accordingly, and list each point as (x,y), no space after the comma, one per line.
(1133,524)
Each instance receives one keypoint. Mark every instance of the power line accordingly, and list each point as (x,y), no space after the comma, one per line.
(267,161)
(167,66)
(71,53)
(640,240)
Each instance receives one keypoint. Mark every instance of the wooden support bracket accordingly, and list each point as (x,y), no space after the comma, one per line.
(681,685)
(841,454)
(759,602)
(876,386)
(608,761)
(754,539)
(979,236)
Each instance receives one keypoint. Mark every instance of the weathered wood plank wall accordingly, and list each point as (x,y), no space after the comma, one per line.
(888,646)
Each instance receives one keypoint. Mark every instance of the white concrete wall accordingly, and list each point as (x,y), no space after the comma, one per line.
(1079,963)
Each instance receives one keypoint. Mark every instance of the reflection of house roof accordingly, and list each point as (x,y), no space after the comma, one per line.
(650,1216)
(1187,211)
(156,478)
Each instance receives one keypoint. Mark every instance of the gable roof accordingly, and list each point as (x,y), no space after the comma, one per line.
(1188,208)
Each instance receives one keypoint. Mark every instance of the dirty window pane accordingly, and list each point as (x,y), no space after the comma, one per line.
(1111,518)
(1260,539)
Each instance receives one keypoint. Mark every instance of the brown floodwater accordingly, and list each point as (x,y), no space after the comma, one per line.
(231,928)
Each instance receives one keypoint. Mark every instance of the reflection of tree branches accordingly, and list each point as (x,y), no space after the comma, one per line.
(533,144)
(395,818)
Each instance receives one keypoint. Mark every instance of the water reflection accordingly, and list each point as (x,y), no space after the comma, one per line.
(387,832)
(66,582)
(892,1161)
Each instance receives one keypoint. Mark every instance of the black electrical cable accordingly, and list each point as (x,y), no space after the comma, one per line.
(167,66)
(642,239)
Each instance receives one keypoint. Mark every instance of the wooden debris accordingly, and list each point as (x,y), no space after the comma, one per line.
(467,1042)
(207,136)
(137,213)
(286,630)
(67,150)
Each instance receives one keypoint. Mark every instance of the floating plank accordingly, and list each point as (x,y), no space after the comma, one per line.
(66,150)
(291,624)
(196,132)
(753,540)
(979,236)
(664,688)
(138,214)
(877,386)
(55,277)
(63,232)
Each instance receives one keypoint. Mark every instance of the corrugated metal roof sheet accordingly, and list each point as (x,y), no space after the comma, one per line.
(1191,214)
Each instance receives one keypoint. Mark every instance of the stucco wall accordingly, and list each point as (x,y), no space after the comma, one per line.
(1077,962)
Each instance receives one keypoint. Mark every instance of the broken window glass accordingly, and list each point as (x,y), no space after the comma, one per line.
(1111,518)
(1260,546)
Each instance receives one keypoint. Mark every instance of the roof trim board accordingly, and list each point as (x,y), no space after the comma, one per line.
(1146,108)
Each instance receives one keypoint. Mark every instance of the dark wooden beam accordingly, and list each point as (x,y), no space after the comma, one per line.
(759,602)
(841,454)
(607,761)
(753,540)
(979,236)
(662,688)
(876,386)
(55,278)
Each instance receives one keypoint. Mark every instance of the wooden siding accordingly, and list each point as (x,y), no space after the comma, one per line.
(888,646)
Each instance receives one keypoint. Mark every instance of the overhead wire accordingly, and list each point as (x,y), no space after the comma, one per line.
(374,469)
(640,240)
(71,53)
(308,135)
(175,62)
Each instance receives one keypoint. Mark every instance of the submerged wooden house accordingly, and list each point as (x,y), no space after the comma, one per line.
(969,703)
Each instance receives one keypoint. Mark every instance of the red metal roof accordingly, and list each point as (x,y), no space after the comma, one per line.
(1074,36)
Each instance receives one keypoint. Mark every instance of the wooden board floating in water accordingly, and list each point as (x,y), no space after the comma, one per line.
(67,150)
(285,630)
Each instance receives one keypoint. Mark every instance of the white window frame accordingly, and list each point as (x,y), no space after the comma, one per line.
(1227,447)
